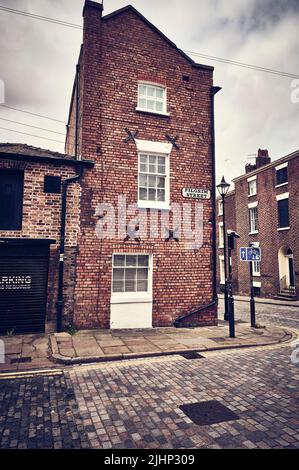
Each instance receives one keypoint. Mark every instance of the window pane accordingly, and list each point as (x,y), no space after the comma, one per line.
(151,194)
(118,280)
(161,160)
(143,194)
(119,260)
(142,103)
(150,104)
(161,169)
(143,167)
(159,93)
(142,90)
(142,273)
(150,91)
(152,181)
(131,260)
(161,182)
(159,106)
(152,169)
(130,281)
(152,159)
(282,176)
(161,195)
(142,286)
(142,260)
(143,181)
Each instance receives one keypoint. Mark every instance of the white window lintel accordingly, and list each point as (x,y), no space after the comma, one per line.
(252,178)
(279,197)
(252,205)
(280,167)
(153,147)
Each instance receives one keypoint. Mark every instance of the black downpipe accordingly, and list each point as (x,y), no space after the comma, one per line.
(178,321)
(77,109)
(59,303)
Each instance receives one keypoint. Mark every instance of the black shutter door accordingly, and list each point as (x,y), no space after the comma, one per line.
(11,199)
(23,291)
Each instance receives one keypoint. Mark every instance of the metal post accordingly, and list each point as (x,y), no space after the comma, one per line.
(231,309)
(252,301)
(225,261)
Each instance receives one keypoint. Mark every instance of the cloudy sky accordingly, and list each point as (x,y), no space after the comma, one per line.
(254,109)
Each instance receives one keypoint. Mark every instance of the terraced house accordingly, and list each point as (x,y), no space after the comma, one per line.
(263,209)
(144,235)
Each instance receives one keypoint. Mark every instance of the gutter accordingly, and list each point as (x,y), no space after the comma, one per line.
(59,303)
(179,320)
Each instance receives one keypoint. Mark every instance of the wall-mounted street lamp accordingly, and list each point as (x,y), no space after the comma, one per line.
(223,188)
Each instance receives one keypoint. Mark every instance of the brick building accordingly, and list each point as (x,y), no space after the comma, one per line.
(263,208)
(140,141)
(31,182)
(143,111)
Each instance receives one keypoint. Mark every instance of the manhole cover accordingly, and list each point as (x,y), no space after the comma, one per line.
(192,355)
(21,359)
(208,412)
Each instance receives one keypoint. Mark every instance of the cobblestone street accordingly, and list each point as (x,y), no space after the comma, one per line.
(137,404)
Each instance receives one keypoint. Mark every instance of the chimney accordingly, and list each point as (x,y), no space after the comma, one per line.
(92,7)
(262,158)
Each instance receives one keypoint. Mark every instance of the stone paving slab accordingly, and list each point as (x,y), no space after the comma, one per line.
(122,344)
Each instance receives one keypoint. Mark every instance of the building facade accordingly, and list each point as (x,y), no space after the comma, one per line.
(263,209)
(143,112)
(31,182)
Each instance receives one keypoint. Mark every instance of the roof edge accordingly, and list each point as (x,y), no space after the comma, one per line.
(51,160)
(152,26)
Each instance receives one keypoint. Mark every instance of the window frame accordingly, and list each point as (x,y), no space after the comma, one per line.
(220,207)
(249,183)
(256,272)
(283,166)
(221,270)
(146,204)
(221,235)
(253,230)
(279,199)
(133,296)
(18,220)
(152,111)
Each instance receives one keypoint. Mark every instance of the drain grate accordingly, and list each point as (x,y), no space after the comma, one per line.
(208,412)
(192,355)
(20,360)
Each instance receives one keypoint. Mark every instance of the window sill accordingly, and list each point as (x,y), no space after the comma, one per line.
(253,233)
(221,247)
(153,205)
(147,111)
(130,298)
(282,184)
(280,229)
(256,275)
(251,195)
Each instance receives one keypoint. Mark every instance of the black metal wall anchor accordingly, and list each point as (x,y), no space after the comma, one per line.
(131,135)
(132,234)
(173,140)
(172,235)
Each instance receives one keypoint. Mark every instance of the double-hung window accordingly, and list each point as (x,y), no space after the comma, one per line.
(221,235)
(281,174)
(256,268)
(151,98)
(252,187)
(283,211)
(253,218)
(152,178)
(131,274)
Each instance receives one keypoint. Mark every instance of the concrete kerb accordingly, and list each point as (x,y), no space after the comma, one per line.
(289,335)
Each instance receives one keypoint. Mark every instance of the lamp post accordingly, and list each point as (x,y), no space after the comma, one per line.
(223,188)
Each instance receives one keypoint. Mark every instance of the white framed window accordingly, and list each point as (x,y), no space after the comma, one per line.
(252,186)
(283,211)
(253,217)
(220,208)
(221,270)
(256,268)
(153,180)
(221,235)
(131,275)
(152,98)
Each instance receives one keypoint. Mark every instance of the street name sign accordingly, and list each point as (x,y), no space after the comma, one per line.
(196,193)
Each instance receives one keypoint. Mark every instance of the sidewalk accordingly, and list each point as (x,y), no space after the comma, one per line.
(29,352)
(107,345)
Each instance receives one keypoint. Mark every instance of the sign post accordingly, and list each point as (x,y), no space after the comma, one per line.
(251,254)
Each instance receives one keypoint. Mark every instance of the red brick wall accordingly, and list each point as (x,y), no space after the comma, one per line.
(116,53)
(270,239)
(41,219)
